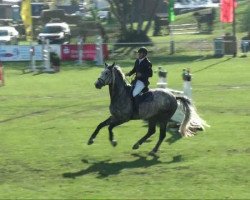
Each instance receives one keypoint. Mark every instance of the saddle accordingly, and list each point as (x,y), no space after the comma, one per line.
(145,96)
(141,98)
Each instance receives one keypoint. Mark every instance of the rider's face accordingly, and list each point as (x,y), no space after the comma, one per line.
(141,55)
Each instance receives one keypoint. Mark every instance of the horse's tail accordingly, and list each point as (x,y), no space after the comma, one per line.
(192,122)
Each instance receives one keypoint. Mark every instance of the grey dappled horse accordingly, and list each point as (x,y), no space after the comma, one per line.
(157,107)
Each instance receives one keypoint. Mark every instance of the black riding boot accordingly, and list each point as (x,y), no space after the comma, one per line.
(136,101)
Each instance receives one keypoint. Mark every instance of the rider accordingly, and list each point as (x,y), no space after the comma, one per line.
(142,70)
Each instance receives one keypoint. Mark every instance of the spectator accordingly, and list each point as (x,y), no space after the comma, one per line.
(245,43)
(187,88)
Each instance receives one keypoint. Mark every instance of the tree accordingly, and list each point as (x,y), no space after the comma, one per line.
(131,15)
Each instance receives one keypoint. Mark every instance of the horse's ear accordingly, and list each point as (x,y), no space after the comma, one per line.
(113,64)
(106,65)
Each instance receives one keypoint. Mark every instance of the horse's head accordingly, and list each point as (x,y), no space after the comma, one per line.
(106,76)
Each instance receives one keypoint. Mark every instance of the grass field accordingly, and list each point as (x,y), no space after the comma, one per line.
(46,120)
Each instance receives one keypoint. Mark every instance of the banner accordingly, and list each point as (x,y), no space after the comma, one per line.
(19,52)
(65,52)
(27,18)
(70,52)
(227,10)
(171,15)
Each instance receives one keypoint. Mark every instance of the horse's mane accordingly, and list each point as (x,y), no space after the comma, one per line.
(121,74)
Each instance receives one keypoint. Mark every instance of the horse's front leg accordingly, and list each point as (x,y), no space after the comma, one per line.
(98,128)
(111,134)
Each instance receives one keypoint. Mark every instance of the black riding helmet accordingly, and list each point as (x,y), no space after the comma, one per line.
(143,50)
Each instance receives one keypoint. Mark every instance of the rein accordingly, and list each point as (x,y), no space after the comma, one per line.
(103,81)
(130,79)
(113,81)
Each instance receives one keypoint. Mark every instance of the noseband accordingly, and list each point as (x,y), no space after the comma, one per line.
(103,81)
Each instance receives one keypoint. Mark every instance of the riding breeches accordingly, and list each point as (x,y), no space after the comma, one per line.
(139,86)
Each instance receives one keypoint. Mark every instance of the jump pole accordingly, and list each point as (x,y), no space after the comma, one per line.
(1,75)
(33,67)
(80,50)
(46,57)
(99,50)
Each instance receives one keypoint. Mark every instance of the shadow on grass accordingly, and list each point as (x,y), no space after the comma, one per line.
(39,112)
(106,168)
(212,65)
(161,58)
(175,135)
(23,66)
(73,65)
(177,58)
(168,59)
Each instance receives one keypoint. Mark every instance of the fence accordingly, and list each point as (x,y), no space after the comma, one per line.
(184,29)
(121,50)
(193,47)
(198,47)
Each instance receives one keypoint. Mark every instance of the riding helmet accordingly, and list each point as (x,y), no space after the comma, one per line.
(143,50)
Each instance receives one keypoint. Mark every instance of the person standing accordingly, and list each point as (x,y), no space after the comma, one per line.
(187,88)
(184,71)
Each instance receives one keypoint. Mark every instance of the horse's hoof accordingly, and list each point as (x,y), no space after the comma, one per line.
(91,141)
(136,146)
(114,143)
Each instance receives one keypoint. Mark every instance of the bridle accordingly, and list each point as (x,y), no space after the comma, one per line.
(112,75)
(103,81)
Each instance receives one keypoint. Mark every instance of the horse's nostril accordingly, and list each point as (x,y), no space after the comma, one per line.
(97,85)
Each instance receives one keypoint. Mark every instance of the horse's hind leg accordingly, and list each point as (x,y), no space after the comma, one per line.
(151,131)
(163,128)
(111,134)
(98,128)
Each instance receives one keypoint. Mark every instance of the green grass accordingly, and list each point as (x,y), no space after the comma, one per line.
(46,120)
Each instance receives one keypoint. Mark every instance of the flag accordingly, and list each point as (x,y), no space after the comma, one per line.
(171,15)
(27,19)
(227,10)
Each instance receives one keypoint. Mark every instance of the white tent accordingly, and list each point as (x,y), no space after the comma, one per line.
(196,4)
(11,1)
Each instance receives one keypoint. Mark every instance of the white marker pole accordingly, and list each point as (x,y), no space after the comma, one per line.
(32,58)
(99,51)
(47,64)
(80,46)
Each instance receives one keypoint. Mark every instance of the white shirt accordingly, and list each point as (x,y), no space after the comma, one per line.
(141,60)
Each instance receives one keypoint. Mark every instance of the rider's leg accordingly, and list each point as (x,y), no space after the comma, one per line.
(139,86)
